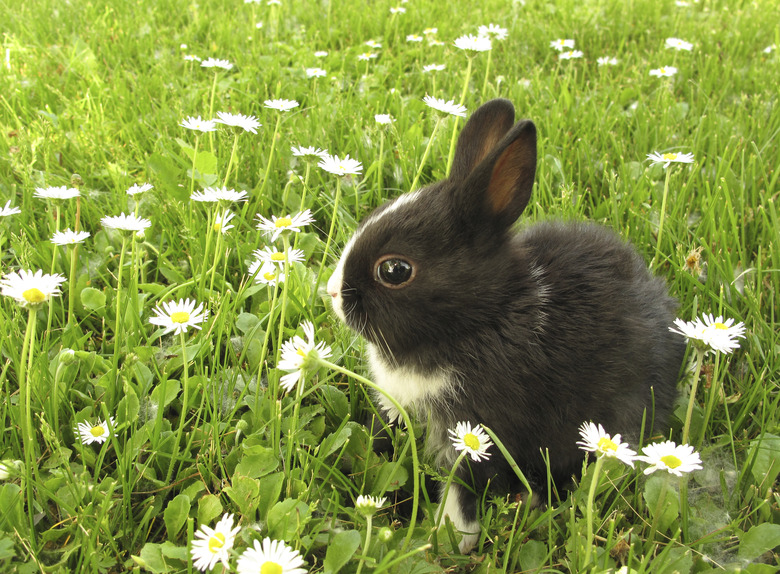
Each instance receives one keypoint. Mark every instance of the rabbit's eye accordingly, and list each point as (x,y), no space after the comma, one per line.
(394,272)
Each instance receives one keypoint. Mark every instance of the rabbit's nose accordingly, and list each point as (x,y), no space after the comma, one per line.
(334,285)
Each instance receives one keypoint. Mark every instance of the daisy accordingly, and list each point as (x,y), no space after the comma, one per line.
(595,439)
(671,457)
(215,194)
(9,468)
(265,272)
(449,107)
(298,354)
(30,288)
(493,30)
(191,58)
(368,505)
(711,332)
(430,31)
(473,43)
(678,44)
(277,225)
(309,152)
(398,10)
(571,54)
(364,57)
(474,440)
(665,72)
(8,210)
(669,158)
(561,44)
(221,222)
(315,73)
(213,544)
(177,316)
(383,119)
(281,105)
(373,44)
(197,124)
(62,192)
(271,255)
(136,189)
(216,63)
(433,68)
(126,222)
(770,49)
(320,54)
(68,237)
(606,61)
(99,432)
(270,556)
(247,123)
(414,38)
(347,166)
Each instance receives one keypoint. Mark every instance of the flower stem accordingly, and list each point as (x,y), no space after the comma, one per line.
(185,401)
(333,218)
(72,284)
(594,484)
(447,486)
(692,399)
(29,444)
(270,155)
(118,319)
(369,526)
(661,218)
(232,159)
(487,72)
(425,155)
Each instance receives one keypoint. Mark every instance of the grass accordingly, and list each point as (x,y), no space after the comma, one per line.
(92,95)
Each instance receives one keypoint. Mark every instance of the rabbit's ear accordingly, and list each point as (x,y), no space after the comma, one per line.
(497,190)
(481,134)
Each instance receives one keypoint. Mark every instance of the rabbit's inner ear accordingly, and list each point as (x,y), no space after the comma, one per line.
(512,177)
(484,130)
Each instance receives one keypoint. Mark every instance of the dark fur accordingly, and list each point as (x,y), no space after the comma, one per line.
(545,330)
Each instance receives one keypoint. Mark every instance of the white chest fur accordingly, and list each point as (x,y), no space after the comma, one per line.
(414,391)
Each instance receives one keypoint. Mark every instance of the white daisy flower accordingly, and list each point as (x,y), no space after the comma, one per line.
(309,152)
(430,31)
(272,255)
(62,192)
(678,44)
(449,107)
(383,119)
(221,222)
(191,58)
(69,237)
(278,225)
(320,54)
(595,439)
(365,56)
(218,194)
(298,354)
(681,3)
(473,43)
(414,38)
(676,459)
(281,105)
(270,556)
(274,3)
(316,73)
(398,10)
(176,316)
(713,332)
(216,63)
(197,124)
(373,44)
(8,210)
(99,432)
(562,44)
(669,158)
(9,468)
(124,222)
(247,123)
(770,49)
(265,272)
(665,72)
(368,505)
(347,166)
(474,440)
(29,288)
(606,61)
(570,55)
(493,30)
(135,189)
(212,545)
(433,68)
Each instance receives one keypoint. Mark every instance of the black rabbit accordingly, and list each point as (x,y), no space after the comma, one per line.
(530,333)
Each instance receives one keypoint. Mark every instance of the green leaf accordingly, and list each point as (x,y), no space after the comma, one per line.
(334,442)
(11,517)
(341,548)
(257,461)
(765,454)
(93,299)
(662,501)
(6,548)
(175,514)
(270,490)
(286,518)
(334,400)
(245,493)
(171,389)
(392,476)
(209,507)
(759,539)
(532,555)
(151,559)
(128,407)
(246,322)
(674,560)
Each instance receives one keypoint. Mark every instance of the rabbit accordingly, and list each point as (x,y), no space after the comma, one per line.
(530,333)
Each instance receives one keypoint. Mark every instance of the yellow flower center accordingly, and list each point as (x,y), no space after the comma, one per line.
(217,226)
(671,461)
(720,326)
(269,276)
(471,441)
(283,222)
(605,444)
(302,352)
(216,542)
(670,156)
(97,431)
(34,295)
(277,257)
(180,317)
(269,567)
